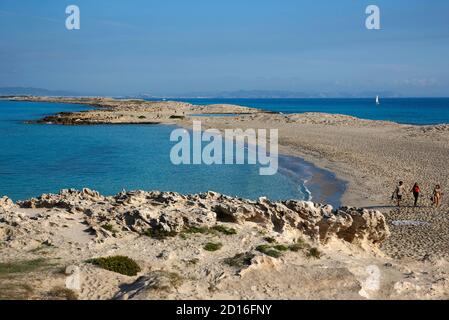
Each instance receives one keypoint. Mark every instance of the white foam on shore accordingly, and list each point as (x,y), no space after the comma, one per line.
(307,191)
(414,223)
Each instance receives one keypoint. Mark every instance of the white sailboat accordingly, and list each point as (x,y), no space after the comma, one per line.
(377,100)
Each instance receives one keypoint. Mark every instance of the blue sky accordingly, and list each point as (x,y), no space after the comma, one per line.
(177,46)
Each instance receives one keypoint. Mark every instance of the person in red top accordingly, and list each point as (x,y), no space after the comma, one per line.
(416,191)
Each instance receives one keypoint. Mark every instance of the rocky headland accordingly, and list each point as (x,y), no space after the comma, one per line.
(204,246)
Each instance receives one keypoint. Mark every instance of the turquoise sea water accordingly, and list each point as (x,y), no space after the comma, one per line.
(39,158)
(401,110)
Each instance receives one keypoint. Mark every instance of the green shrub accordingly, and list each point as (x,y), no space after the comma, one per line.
(240,260)
(273,253)
(109,227)
(269,251)
(299,245)
(211,246)
(225,230)
(281,247)
(159,234)
(119,264)
(314,253)
(263,247)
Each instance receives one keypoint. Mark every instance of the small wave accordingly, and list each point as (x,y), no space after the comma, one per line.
(414,223)
(306,191)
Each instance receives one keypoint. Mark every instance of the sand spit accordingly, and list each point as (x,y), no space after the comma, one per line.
(205,246)
(128,111)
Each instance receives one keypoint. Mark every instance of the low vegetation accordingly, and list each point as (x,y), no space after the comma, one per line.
(314,253)
(118,264)
(269,251)
(159,234)
(23,266)
(213,246)
(300,245)
(240,260)
(225,230)
(15,291)
(214,230)
(43,248)
(60,293)
(193,230)
(281,247)
(109,227)
(296,247)
(13,285)
(172,280)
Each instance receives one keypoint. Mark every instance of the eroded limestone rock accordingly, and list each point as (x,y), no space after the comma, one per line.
(138,211)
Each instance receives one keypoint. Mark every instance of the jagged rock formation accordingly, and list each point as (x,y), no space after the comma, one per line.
(6,203)
(288,249)
(139,211)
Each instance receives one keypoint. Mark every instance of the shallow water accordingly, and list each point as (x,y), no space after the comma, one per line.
(39,158)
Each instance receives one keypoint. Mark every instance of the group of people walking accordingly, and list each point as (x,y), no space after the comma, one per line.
(400,191)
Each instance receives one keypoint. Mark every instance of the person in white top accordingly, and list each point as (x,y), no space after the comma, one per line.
(399,193)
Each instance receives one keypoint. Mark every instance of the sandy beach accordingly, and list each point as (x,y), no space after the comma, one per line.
(371,156)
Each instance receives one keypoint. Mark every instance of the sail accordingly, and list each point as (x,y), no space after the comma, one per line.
(377,100)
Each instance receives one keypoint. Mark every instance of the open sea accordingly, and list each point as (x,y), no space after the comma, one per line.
(41,158)
(419,111)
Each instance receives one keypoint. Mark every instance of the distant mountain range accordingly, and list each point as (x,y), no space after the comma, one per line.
(241,94)
(29,91)
(268,94)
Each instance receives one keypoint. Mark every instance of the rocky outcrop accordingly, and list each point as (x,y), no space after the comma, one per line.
(139,211)
(69,199)
(6,203)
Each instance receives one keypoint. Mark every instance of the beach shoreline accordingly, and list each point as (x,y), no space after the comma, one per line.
(327,188)
(178,113)
(370,156)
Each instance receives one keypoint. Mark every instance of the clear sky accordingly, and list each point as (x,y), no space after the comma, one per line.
(178,46)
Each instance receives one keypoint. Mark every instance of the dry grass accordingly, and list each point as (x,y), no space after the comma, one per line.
(59,293)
